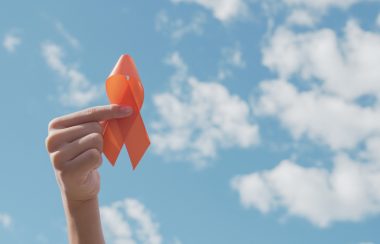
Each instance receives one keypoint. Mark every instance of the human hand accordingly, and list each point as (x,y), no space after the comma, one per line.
(75,144)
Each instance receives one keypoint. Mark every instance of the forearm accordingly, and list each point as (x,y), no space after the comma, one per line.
(83,221)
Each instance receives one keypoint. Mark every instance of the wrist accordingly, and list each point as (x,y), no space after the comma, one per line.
(83,221)
(74,205)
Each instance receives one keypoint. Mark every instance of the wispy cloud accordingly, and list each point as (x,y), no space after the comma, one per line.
(305,12)
(302,17)
(72,40)
(11,41)
(5,220)
(197,119)
(322,5)
(129,222)
(179,28)
(77,91)
(181,69)
(232,58)
(223,10)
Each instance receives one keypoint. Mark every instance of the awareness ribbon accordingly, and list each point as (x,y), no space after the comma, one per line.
(124,88)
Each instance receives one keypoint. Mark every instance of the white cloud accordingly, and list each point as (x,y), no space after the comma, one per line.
(181,69)
(223,10)
(5,220)
(72,40)
(372,152)
(337,71)
(347,66)
(322,117)
(197,118)
(11,42)
(301,18)
(119,217)
(78,91)
(305,13)
(349,192)
(148,230)
(115,226)
(178,28)
(322,5)
(201,121)
(234,56)
(333,73)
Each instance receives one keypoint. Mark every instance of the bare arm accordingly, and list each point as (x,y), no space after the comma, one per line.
(75,144)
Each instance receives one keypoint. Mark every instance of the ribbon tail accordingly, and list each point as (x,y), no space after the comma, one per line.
(137,140)
(113,141)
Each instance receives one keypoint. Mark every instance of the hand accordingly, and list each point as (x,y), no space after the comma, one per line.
(75,144)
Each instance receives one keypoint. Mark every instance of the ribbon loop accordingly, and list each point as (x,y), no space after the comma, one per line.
(124,87)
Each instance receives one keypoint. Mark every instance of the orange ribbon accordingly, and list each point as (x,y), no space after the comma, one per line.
(124,88)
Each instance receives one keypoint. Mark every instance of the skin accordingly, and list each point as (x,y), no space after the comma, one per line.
(75,144)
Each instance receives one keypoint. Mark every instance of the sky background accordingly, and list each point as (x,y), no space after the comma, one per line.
(264,118)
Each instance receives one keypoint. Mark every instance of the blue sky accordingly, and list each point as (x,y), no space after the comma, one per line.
(263,117)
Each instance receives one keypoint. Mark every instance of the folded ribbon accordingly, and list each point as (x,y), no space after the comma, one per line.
(124,88)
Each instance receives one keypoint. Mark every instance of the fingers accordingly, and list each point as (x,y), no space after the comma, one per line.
(78,168)
(94,114)
(75,141)
(85,162)
(72,150)
(59,138)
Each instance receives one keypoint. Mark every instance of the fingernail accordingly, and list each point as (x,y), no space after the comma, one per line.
(126,110)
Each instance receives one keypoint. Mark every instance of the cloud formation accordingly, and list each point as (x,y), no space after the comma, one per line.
(5,220)
(77,91)
(179,28)
(11,42)
(349,192)
(323,118)
(196,118)
(301,18)
(321,5)
(339,74)
(328,91)
(305,12)
(72,40)
(223,10)
(232,58)
(346,65)
(129,222)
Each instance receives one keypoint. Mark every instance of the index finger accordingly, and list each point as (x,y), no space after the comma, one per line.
(94,114)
